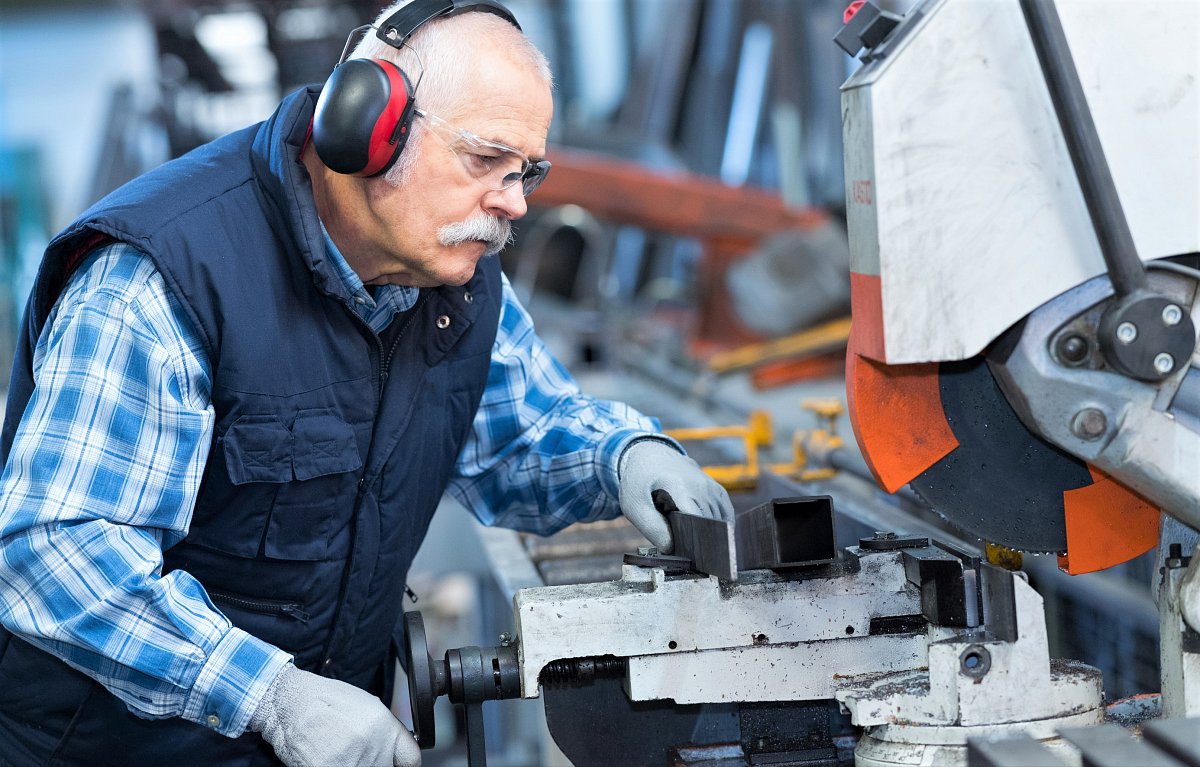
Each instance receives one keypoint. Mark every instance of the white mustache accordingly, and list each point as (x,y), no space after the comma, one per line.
(495,231)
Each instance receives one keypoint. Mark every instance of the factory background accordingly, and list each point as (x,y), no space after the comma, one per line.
(732,105)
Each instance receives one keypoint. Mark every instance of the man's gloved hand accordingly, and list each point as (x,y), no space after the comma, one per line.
(313,721)
(655,478)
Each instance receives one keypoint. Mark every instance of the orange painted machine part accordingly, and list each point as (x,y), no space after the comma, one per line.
(866,307)
(896,413)
(895,410)
(1107,524)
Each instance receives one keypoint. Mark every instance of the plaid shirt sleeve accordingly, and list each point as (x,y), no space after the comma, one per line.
(541,455)
(101,478)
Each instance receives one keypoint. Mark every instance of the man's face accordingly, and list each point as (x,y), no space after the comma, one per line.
(406,227)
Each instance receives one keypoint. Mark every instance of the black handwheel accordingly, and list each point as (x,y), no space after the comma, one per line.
(422,679)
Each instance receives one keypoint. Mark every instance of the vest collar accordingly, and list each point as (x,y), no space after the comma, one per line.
(275,155)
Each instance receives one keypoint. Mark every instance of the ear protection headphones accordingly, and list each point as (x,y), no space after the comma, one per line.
(367,105)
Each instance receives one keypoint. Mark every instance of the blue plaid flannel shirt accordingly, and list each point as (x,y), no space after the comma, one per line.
(107,461)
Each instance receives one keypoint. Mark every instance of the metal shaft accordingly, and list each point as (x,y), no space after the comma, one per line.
(1083,142)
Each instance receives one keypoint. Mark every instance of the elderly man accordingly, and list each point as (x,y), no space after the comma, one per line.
(246,379)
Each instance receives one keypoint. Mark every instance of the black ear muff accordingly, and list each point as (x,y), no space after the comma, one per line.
(363,117)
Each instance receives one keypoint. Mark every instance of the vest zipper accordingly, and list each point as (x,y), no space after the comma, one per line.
(261,606)
(387,361)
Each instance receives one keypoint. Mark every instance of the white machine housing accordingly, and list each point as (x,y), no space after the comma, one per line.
(960,192)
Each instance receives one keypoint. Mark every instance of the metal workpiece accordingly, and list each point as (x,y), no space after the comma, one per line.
(781,534)
(1124,427)
(708,543)
(787,533)
(698,639)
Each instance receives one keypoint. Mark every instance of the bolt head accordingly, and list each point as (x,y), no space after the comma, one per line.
(1089,424)
(1073,349)
(1172,315)
(1164,363)
(880,535)
(647,551)
(1127,332)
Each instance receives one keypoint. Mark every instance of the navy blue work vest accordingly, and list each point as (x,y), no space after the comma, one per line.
(331,449)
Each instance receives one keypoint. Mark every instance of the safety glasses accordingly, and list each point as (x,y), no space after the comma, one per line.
(494,165)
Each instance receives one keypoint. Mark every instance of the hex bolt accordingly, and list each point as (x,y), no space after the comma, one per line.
(1127,332)
(1089,424)
(1171,315)
(1164,363)
(880,535)
(648,551)
(1072,349)
(505,639)
(975,661)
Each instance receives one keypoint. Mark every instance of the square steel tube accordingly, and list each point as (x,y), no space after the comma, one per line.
(787,532)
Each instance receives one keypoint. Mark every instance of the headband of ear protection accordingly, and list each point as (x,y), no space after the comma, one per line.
(366,107)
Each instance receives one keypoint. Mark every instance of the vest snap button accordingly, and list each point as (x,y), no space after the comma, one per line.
(443,322)
(468,297)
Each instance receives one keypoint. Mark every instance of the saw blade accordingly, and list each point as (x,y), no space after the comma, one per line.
(1002,484)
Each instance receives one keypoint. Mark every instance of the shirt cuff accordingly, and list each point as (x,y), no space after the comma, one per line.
(608,456)
(232,682)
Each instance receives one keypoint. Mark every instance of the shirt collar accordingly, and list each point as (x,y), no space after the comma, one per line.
(378,309)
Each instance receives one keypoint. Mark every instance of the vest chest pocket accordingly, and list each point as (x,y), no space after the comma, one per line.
(287,492)
(258,448)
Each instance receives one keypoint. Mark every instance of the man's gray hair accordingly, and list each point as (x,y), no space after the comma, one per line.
(441,64)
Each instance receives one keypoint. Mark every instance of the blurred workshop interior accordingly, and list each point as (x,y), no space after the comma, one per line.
(689,255)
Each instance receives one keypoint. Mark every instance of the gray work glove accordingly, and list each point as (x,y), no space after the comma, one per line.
(655,478)
(313,721)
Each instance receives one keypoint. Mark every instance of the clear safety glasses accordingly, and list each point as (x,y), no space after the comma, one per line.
(494,165)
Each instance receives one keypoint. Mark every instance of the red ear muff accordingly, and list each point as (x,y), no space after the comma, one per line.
(362,117)
(366,107)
